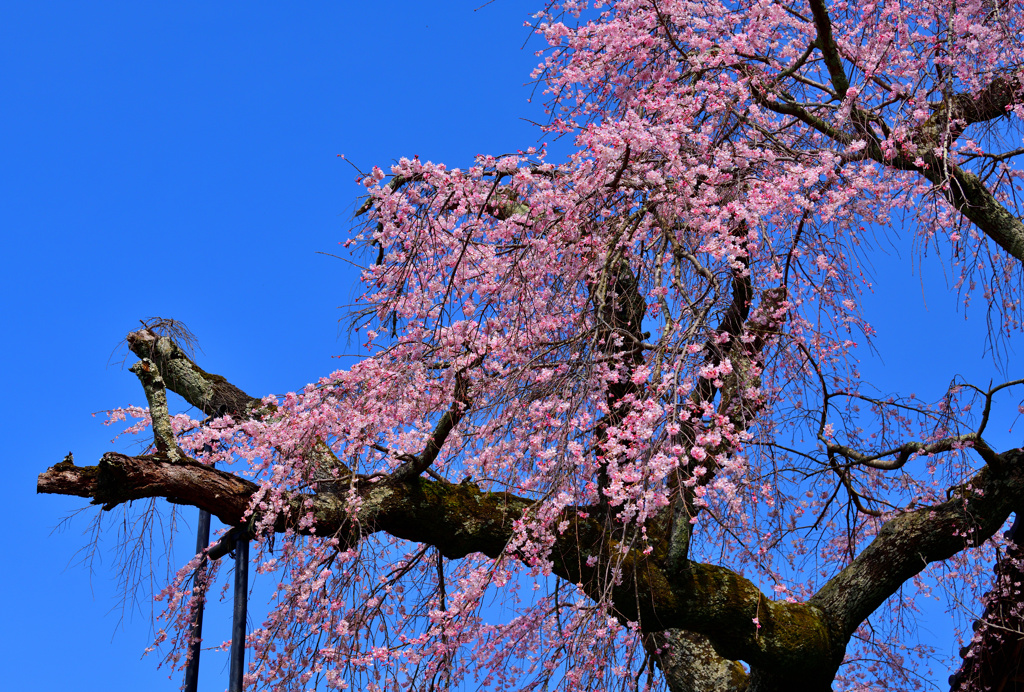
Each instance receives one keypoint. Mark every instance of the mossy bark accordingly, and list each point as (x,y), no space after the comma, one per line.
(703,609)
(460,519)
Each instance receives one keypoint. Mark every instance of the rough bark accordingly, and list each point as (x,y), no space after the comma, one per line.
(211,394)
(910,541)
(698,618)
(994,659)
(691,664)
(798,646)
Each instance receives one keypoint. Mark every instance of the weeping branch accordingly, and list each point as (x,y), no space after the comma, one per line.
(698,606)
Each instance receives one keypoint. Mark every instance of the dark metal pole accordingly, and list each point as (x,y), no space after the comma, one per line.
(196,630)
(199,580)
(238,621)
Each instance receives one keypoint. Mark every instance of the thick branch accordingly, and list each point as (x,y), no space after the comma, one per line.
(165,364)
(965,191)
(962,189)
(153,385)
(829,49)
(212,394)
(907,543)
(119,478)
(960,110)
(968,195)
(460,519)
(993,101)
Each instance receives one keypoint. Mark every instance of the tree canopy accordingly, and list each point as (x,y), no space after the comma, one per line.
(611,432)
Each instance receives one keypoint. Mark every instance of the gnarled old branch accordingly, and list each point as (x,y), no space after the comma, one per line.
(964,190)
(910,541)
(791,646)
(460,519)
(796,641)
(211,394)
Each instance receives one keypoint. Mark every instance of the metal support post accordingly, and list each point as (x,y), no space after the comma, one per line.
(238,621)
(196,630)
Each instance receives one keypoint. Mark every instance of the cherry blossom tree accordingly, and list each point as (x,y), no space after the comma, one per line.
(610,433)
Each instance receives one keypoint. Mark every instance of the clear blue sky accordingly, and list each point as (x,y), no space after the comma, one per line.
(181,160)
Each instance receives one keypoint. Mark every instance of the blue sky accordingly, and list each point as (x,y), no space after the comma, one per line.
(182,160)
